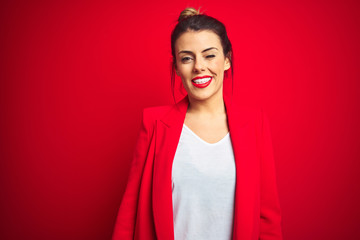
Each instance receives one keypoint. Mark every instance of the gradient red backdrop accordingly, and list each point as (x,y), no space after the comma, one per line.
(76,75)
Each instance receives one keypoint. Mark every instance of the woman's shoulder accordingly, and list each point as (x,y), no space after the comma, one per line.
(153,113)
(246,110)
(250,113)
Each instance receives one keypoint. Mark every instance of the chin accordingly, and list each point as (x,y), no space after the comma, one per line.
(200,97)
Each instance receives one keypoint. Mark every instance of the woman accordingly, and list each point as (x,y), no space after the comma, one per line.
(203,168)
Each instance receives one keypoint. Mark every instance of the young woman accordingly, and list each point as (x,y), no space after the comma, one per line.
(203,168)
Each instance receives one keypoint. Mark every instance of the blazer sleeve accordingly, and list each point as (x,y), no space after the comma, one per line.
(126,219)
(270,213)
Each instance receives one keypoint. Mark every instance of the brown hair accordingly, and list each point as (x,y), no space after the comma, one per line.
(192,19)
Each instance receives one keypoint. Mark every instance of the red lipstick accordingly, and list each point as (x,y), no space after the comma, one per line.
(201,81)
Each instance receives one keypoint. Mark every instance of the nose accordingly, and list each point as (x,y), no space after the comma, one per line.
(199,65)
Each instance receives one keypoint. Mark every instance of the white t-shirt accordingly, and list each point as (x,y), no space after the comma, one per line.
(203,188)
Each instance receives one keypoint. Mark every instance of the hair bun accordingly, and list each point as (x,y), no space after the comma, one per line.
(188,12)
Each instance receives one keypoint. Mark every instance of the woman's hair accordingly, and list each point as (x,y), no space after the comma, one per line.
(191,19)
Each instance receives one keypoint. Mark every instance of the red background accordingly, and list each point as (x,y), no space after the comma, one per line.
(76,75)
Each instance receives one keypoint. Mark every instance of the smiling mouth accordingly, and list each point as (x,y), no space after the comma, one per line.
(201,82)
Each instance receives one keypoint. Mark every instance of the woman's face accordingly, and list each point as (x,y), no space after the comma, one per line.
(200,63)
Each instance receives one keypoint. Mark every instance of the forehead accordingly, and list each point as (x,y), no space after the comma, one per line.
(197,41)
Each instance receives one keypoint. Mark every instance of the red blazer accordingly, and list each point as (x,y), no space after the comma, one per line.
(146,209)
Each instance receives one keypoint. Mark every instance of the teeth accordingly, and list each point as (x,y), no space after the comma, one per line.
(202,80)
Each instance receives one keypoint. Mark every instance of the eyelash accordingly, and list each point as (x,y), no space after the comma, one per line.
(186,58)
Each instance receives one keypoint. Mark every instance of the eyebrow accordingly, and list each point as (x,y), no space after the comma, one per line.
(186,51)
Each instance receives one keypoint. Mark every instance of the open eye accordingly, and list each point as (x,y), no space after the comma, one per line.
(185,59)
(210,56)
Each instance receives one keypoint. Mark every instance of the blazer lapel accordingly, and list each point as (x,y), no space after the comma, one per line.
(168,131)
(247,189)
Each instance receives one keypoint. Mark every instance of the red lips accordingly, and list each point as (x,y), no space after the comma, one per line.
(201,85)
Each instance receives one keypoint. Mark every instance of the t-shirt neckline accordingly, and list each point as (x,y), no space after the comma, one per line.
(202,140)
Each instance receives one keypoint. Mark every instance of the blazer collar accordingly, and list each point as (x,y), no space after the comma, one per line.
(177,113)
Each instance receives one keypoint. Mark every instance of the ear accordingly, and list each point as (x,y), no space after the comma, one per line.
(227,64)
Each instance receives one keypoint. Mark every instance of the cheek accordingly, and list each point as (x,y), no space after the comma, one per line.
(184,70)
(218,65)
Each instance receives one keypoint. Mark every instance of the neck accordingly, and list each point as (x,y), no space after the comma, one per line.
(212,106)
